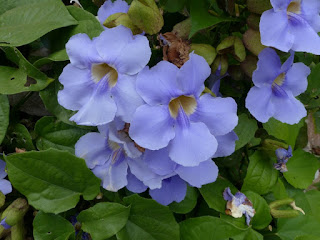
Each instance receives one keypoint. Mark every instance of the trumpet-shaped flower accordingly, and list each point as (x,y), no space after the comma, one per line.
(292,24)
(177,116)
(109,8)
(5,185)
(276,87)
(283,156)
(100,81)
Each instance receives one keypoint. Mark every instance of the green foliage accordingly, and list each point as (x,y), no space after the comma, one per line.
(21,137)
(104,220)
(48,226)
(187,204)
(52,180)
(245,130)
(4,116)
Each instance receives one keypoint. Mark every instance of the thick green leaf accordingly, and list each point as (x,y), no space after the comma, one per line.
(4,116)
(9,4)
(301,169)
(283,131)
(250,234)
(261,176)
(262,218)
(104,220)
(52,180)
(25,78)
(48,226)
(279,190)
(187,204)
(313,81)
(26,23)
(201,18)
(20,137)
(213,194)
(148,220)
(53,133)
(208,228)
(245,130)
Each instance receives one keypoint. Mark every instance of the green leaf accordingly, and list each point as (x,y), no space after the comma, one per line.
(302,167)
(47,226)
(26,23)
(4,116)
(53,133)
(316,119)
(245,130)
(20,137)
(208,228)
(250,234)
(9,4)
(148,220)
(213,194)
(52,180)
(201,18)
(104,220)
(279,190)
(187,204)
(261,176)
(262,218)
(313,81)
(173,5)
(25,78)
(283,131)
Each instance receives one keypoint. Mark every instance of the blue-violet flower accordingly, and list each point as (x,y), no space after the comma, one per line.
(283,156)
(109,8)
(5,185)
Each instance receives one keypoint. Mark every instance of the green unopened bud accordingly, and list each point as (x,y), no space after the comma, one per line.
(252,41)
(232,45)
(249,65)
(121,19)
(276,213)
(270,146)
(221,61)
(15,211)
(146,15)
(18,231)
(258,6)
(183,29)
(205,50)
(2,199)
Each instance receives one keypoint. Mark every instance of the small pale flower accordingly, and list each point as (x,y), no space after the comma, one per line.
(276,87)
(283,156)
(100,81)
(238,205)
(292,24)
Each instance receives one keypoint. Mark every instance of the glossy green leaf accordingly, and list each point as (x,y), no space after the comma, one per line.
(245,130)
(148,220)
(9,4)
(187,204)
(302,167)
(261,176)
(4,116)
(213,194)
(48,226)
(313,81)
(22,79)
(52,180)
(104,220)
(26,23)
(262,217)
(52,133)
(279,190)
(283,131)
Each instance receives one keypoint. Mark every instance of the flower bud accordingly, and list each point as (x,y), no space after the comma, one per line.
(182,29)
(2,199)
(258,6)
(15,211)
(121,19)
(233,45)
(18,231)
(205,50)
(253,21)
(251,40)
(276,213)
(146,15)
(249,65)
(221,61)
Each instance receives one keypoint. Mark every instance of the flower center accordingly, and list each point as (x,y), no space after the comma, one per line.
(98,71)
(294,7)
(188,104)
(280,79)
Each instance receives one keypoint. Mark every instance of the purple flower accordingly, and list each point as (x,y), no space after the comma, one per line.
(109,8)
(214,81)
(5,185)
(292,24)
(283,156)
(77,227)
(175,115)
(100,80)
(107,153)
(276,87)
(238,205)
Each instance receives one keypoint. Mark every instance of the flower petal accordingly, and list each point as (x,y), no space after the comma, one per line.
(280,5)
(5,186)
(296,79)
(158,84)
(219,114)
(192,145)
(310,11)
(99,110)
(227,194)
(109,8)
(93,148)
(288,63)
(226,144)
(134,184)
(152,127)
(288,109)
(173,189)
(274,29)
(3,172)
(206,172)
(159,161)
(192,75)
(258,102)
(78,87)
